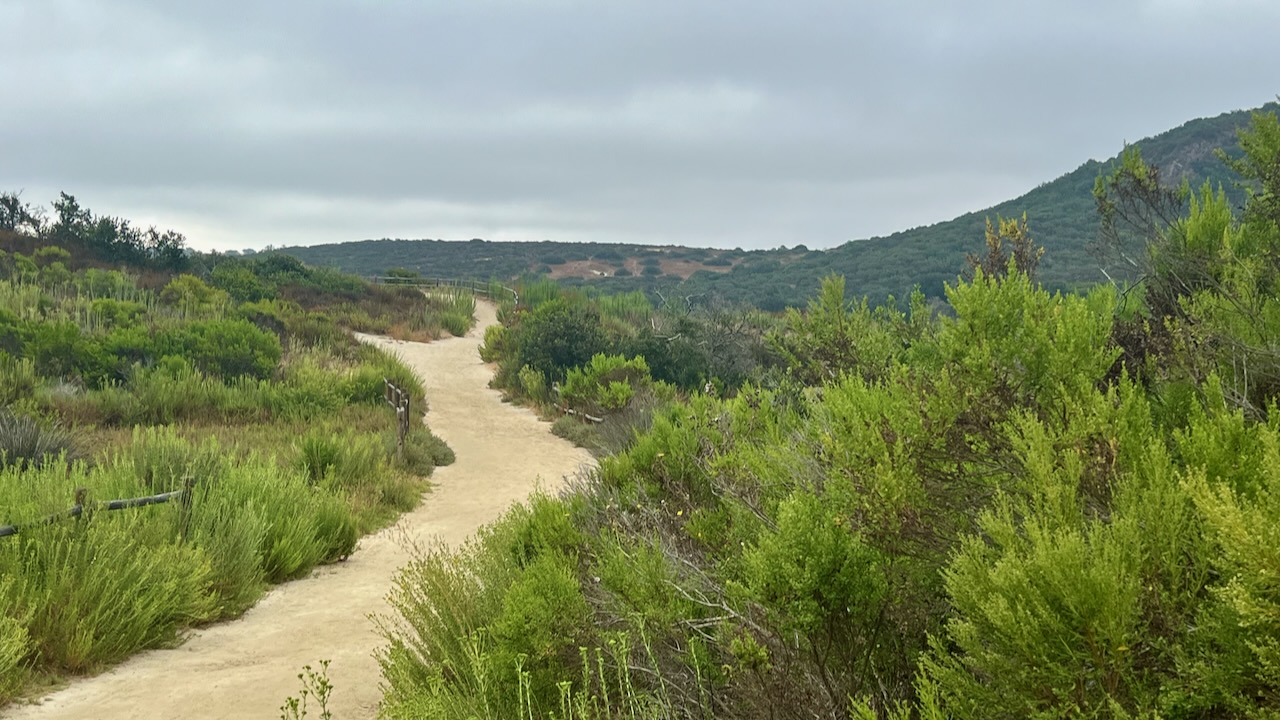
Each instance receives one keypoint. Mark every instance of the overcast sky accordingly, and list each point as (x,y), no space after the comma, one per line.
(744,123)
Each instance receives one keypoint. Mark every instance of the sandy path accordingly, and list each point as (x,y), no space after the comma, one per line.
(247,667)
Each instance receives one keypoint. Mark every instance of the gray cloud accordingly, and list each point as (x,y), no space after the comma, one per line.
(746,124)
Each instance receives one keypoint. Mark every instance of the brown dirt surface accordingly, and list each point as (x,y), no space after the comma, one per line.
(245,668)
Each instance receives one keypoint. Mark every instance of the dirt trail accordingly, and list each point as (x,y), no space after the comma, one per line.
(247,667)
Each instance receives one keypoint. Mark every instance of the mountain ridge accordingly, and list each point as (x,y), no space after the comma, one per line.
(1060,212)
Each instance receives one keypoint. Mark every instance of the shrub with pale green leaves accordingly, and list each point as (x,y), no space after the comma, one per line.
(14,650)
(606,383)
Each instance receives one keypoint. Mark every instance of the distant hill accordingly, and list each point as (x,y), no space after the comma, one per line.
(1061,215)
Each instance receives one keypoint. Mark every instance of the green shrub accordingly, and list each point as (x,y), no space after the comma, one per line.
(575,430)
(542,526)
(533,385)
(639,574)
(450,309)
(607,383)
(115,313)
(621,428)
(193,295)
(18,379)
(240,282)
(391,367)
(1010,334)
(341,461)
(308,392)
(495,343)
(825,583)
(457,323)
(25,442)
(295,539)
(365,384)
(129,345)
(543,621)
(163,461)
(467,619)
(101,589)
(226,348)
(318,454)
(336,528)
(316,329)
(11,333)
(442,599)
(231,539)
(556,336)
(423,452)
(1045,624)
(14,649)
(61,350)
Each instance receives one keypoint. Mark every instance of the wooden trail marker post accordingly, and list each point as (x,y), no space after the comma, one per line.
(399,401)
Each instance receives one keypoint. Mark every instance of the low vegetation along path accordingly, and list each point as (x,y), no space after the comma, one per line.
(247,667)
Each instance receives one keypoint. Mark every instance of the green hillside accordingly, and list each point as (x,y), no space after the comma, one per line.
(1061,214)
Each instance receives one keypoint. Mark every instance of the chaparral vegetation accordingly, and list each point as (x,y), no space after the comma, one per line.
(1021,504)
(131,367)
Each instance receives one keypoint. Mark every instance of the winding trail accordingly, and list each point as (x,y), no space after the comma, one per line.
(245,668)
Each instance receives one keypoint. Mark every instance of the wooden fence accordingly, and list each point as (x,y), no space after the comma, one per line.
(82,506)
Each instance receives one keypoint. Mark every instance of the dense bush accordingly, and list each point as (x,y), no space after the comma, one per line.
(502,624)
(983,515)
(13,651)
(556,336)
(607,382)
(226,348)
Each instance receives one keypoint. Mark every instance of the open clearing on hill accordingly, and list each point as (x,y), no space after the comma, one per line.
(247,667)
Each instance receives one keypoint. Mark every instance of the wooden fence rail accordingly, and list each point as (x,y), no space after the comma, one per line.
(82,506)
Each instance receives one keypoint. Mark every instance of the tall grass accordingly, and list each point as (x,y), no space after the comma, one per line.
(535,291)
(88,592)
(14,648)
(633,307)
(448,309)
(18,379)
(95,591)
(23,298)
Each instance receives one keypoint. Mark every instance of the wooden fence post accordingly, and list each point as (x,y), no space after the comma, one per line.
(79,507)
(404,424)
(399,401)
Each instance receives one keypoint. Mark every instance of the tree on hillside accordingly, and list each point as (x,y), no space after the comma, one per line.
(19,217)
(112,239)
